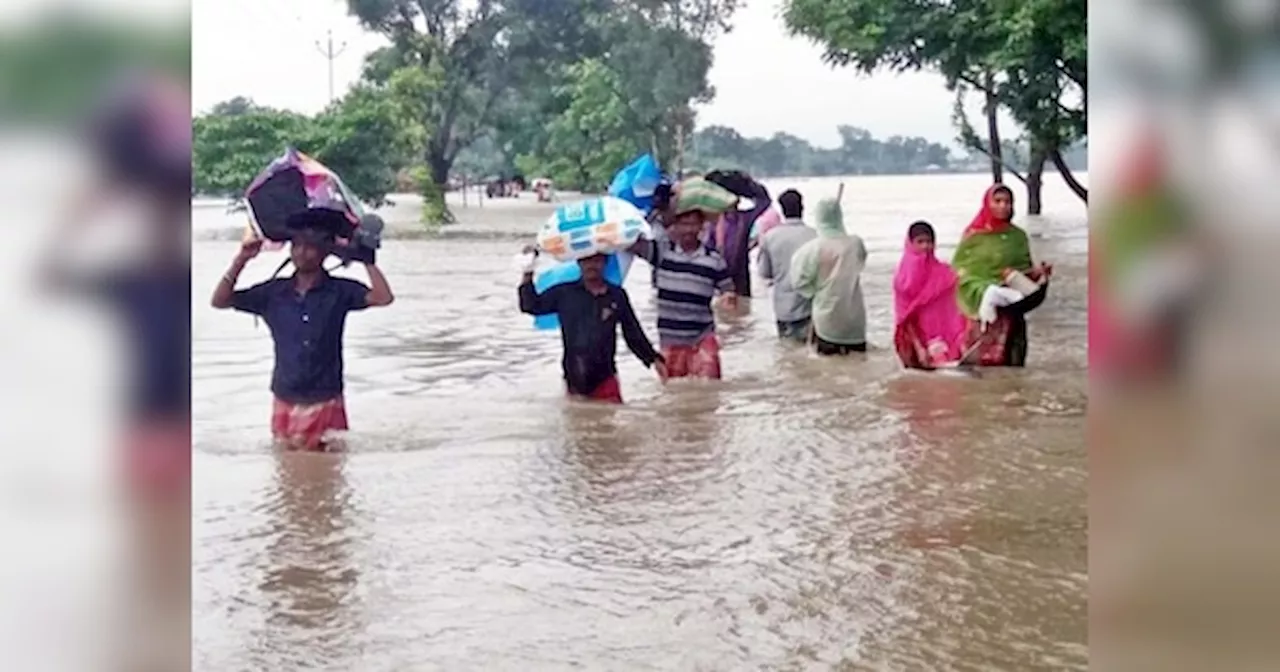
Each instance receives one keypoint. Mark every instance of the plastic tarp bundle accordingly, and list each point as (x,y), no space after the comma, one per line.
(637,182)
(604,225)
(583,229)
(296,183)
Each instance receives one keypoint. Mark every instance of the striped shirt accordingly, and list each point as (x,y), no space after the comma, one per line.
(686,282)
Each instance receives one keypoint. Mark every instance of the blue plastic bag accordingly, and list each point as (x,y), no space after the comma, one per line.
(636,183)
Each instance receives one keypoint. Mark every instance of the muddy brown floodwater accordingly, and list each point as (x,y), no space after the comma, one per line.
(801,514)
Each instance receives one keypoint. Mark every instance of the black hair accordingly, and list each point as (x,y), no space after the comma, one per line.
(662,196)
(791,203)
(921,228)
(1002,188)
(319,225)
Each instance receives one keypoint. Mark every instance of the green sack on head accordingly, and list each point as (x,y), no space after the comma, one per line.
(698,194)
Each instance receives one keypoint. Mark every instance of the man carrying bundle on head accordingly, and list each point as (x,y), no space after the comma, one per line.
(306,314)
(590,312)
(688,278)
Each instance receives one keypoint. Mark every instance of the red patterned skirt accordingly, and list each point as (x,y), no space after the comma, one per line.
(701,360)
(307,426)
(158,458)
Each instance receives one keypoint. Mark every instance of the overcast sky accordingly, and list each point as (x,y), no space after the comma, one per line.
(765,81)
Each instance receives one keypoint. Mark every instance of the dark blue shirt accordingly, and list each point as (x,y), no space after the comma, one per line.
(155,305)
(307,330)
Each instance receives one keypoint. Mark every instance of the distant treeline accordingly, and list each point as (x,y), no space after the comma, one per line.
(859,153)
(52,72)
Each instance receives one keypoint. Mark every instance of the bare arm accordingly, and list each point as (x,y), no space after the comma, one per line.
(379,291)
(644,248)
(225,290)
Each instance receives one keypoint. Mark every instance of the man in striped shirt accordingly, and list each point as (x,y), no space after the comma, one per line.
(688,277)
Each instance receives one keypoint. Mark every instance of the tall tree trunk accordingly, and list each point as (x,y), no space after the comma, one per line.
(434,209)
(440,167)
(1035,179)
(1063,169)
(993,130)
(680,147)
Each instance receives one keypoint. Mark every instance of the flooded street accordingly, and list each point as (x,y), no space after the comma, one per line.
(801,514)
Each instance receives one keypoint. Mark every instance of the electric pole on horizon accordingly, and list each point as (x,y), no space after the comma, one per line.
(330,55)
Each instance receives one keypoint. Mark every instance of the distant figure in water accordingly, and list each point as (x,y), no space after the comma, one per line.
(993,262)
(590,313)
(828,270)
(791,310)
(929,329)
(306,314)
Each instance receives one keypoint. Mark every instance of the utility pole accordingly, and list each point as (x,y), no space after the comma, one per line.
(330,55)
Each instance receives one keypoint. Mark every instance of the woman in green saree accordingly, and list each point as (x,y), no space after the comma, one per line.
(990,251)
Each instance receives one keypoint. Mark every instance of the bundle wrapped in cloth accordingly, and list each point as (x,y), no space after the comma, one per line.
(606,225)
(702,195)
(295,191)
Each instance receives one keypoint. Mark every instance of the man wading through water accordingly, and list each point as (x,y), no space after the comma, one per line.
(590,313)
(689,277)
(306,314)
(778,246)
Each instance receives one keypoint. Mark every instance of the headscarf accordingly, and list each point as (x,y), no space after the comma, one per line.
(921,277)
(985,221)
(831,219)
(980,258)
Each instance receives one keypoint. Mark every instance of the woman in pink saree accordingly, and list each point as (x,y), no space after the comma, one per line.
(929,329)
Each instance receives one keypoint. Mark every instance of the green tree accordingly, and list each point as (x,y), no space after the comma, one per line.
(55,70)
(368,138)
(723,143)
(1028,56)
(472,54)
(232,144)
(592,138)
(678,53)
(651,58)
(663,71)
(784,154)
(364,137)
